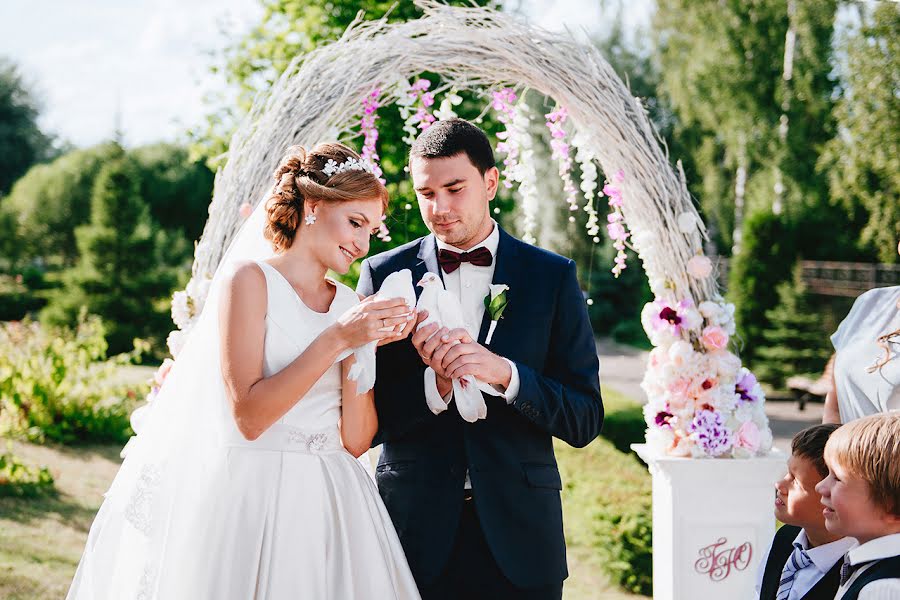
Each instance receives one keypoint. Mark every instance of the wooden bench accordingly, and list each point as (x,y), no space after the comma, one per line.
(806,389)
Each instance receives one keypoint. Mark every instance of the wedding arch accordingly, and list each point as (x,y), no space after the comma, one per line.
(702,402)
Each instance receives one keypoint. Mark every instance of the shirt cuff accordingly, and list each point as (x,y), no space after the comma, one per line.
(512,390)
(436,403)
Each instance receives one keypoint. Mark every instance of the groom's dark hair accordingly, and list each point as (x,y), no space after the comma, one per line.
(451,137)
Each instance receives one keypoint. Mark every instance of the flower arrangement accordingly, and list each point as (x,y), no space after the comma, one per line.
(702,402)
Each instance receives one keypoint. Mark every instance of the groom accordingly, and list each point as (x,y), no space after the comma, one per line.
(476,505)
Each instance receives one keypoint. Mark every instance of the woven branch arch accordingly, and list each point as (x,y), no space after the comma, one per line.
(319,97)
(701,401)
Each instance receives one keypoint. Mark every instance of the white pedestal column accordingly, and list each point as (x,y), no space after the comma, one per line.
(712,520)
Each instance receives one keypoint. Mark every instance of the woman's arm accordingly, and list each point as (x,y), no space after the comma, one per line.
(832,412)
(256,401)
(359,421)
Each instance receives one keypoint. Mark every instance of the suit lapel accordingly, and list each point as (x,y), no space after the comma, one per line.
(505,267)
(427,262)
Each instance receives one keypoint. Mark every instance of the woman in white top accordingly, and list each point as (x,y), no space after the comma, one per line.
(866,378)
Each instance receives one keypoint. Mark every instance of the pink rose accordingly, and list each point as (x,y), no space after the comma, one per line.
(680,386)
(245,210)
(699,267)
(163,371)
(748,437)
(714,338)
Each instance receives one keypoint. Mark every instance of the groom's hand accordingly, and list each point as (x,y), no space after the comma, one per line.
(471,358)
(428,339)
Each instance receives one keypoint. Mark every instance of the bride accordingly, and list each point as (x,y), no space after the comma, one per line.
(243,481)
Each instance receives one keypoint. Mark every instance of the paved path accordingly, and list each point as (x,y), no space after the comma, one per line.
(622,368)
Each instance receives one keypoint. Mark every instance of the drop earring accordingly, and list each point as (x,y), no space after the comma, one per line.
(310,219)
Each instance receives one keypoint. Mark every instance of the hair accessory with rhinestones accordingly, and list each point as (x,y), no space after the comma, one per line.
(351,164)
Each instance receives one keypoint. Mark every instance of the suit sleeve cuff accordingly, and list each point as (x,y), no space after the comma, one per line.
(512,390)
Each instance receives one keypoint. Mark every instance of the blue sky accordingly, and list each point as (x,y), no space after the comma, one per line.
(148,60)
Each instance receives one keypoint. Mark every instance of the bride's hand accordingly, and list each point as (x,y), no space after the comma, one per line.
(372,319)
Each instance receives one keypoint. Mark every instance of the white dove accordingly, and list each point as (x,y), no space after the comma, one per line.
(445,310)
(396,285)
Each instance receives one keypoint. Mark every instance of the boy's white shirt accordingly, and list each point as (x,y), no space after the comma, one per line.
(877,549)
(823,558)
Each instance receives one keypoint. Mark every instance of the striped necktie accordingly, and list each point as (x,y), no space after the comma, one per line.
(798,561)
(847,570)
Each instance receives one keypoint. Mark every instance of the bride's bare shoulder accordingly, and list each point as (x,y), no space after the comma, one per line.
(245,277)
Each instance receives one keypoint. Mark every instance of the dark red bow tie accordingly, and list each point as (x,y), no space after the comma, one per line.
(450,261)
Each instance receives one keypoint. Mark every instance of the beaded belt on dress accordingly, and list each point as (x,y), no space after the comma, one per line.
(288,438)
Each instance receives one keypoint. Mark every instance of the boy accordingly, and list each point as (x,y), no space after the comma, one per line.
(804,560)
(861,496)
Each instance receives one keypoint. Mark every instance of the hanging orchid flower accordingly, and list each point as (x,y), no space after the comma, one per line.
(414,104)
(503,101)
(616,227)
(370,137)
(560,147)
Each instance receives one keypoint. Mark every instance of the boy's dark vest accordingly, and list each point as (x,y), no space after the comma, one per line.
(886,568)
(782,547)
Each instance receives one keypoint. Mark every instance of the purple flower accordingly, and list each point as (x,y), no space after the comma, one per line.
(671,317)
(745,386)
(669,314)
(663,418)
(710,434)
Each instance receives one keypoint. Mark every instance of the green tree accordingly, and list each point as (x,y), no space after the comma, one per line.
(755,128)
(10,241)
(52,199)
(176,189)
(752,282)
(863,162)
(794,342)
(22,143)
(118,275)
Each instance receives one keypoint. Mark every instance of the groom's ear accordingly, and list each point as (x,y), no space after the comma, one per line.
(491,182)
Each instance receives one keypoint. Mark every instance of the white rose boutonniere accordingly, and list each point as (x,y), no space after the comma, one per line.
(495,304)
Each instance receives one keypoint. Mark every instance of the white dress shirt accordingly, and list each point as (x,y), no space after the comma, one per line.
(471,283)
(877,549)
(823,559)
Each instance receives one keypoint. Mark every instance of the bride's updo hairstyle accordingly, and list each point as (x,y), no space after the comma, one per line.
(300,177)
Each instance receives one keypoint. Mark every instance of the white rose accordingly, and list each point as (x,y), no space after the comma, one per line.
(660,440)
(181,309)
(681,353)
(175,342)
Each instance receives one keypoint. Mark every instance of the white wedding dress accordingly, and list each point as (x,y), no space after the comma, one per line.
(291,515)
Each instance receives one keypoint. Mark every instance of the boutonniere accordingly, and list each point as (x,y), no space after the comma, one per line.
(495,304)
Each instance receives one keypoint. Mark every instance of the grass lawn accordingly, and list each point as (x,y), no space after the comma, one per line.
(42,539)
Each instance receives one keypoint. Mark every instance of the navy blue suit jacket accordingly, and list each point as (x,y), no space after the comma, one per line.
(545,331)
